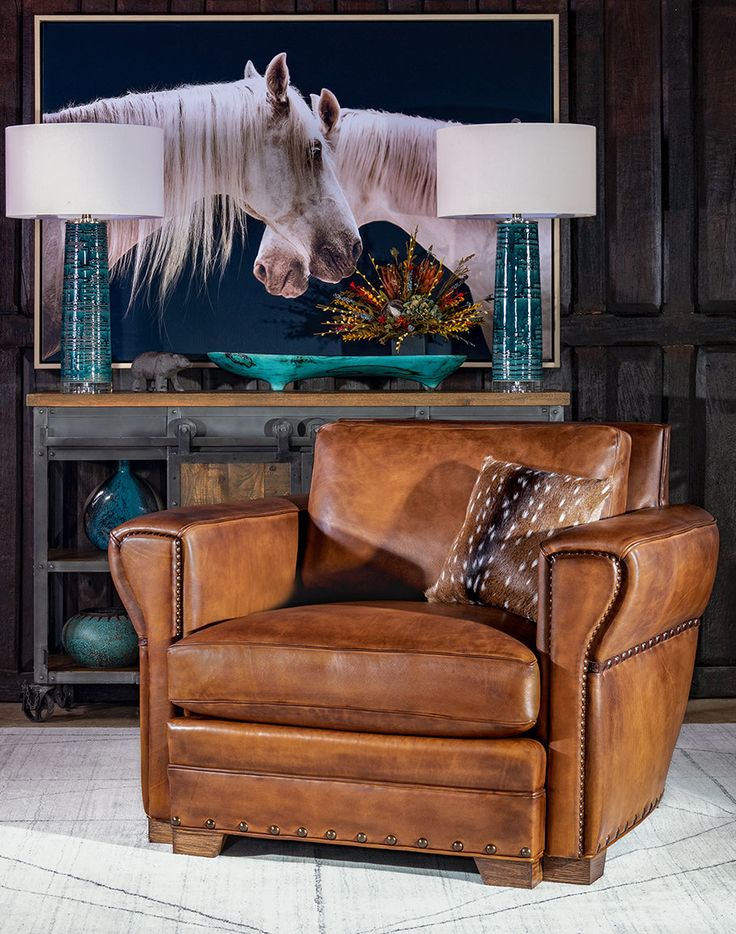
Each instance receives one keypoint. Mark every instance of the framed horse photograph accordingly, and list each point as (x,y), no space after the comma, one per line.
(296,149)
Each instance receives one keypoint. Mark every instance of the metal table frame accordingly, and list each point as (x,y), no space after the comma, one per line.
(182,434)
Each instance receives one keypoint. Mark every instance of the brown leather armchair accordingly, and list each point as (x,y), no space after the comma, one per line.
(295,683)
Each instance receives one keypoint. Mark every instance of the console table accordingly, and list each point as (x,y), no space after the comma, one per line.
(196,448)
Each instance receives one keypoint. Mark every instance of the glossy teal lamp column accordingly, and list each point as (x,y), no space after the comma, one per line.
(85,174)
(514,172)
(517,304)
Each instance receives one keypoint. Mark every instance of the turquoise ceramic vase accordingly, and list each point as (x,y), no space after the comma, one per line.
(123,496)
(101,639)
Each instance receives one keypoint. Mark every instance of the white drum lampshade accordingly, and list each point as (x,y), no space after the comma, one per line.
(502,169)
(67,170)
(516,172)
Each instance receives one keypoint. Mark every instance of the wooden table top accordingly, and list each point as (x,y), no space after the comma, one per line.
(288,399)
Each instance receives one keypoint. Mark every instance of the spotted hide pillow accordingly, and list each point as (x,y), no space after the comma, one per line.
(512,509)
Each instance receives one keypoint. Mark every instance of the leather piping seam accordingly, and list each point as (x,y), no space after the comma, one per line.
(201,523)
(598,667)
(681,530)
(583,682)
(630,824)
(625,549)
(664,463)
(204,523)
(352,650)
(531,795)
(199,702)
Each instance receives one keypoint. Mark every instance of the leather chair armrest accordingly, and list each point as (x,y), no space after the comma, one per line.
(181,569)
(620,601)
(657,565)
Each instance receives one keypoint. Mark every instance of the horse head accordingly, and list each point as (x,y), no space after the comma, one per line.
(281,265)
(292,185)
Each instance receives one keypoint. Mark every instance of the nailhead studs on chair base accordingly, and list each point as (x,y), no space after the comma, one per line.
(515,873)
(575,871)
(197,842)
(159,831)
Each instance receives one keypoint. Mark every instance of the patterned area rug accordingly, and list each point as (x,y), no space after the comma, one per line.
(74,857)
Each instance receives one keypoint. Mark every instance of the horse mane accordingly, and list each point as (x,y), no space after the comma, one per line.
(394,151)
(210,131)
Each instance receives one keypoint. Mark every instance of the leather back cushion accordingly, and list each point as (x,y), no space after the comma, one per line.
(650,464)
(388,498)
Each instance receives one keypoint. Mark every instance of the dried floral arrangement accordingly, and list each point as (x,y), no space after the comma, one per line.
(412,296)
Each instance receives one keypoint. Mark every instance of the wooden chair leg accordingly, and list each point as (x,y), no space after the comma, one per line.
(197,842)
(518,874)
(574,871)
(159,831)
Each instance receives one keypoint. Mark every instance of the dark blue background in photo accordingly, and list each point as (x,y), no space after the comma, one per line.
(472,71)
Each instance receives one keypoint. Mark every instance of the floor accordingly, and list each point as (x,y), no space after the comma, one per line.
(715,710)
(75,859)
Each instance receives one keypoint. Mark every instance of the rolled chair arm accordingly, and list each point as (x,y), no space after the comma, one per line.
(182,569)
(620,602)
(215,562)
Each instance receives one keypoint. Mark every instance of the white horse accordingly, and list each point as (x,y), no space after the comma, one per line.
(251,146)
(386,165)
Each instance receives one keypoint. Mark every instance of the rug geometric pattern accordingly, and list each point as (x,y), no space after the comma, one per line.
(74,857)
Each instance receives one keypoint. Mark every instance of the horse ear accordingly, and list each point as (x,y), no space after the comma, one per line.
(327,108)
(277,79)
(250,70)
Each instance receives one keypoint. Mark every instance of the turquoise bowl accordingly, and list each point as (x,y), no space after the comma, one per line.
(279,369)
(101,639)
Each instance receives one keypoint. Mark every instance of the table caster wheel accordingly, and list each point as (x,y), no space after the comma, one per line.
(37,702)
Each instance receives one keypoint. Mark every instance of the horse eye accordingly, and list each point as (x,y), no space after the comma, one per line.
(316,149)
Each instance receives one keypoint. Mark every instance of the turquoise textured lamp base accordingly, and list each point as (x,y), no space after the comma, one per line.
(86,359)
(517,307)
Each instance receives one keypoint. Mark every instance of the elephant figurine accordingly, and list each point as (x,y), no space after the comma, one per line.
(159,368)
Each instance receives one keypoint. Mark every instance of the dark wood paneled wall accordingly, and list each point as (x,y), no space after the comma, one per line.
(649,284)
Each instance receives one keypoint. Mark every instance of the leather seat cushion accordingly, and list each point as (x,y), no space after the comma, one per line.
(373,667)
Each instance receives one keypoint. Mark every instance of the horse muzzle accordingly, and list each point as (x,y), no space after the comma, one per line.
(331,264)
(287,280)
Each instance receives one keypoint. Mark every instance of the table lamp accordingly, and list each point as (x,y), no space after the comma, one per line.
(86,174)
(516,171)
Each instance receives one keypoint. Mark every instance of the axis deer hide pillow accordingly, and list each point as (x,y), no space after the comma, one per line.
(512,509)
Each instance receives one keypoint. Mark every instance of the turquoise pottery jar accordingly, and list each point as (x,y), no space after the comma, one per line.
(123,496)
(102,638)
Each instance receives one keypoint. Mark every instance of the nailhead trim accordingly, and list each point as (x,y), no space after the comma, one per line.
(618,569)
(595,668)
(630,824)
(179,604)
(178,575)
